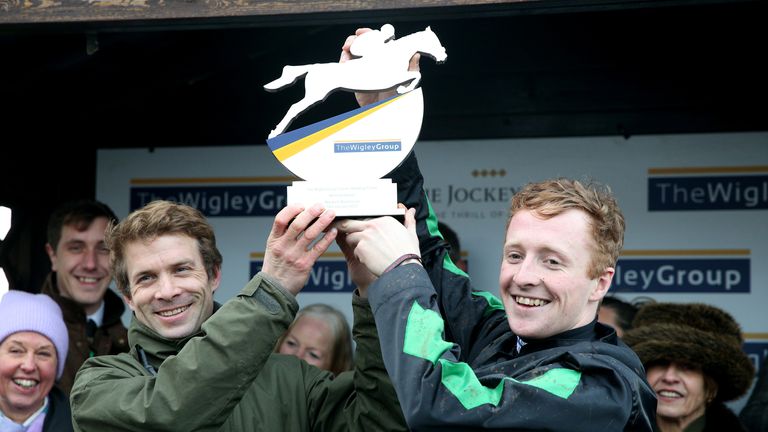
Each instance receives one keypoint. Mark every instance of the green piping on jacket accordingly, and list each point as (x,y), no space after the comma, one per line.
(424,339)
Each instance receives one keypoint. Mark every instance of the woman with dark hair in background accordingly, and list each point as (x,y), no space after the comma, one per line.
(694,361)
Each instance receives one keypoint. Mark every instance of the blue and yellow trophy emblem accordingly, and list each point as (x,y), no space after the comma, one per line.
(342,159)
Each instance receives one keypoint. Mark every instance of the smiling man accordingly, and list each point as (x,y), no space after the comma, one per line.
(535,360)
(79,283)
(196,365)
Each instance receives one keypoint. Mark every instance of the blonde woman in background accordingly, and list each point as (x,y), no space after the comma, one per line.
(320,336)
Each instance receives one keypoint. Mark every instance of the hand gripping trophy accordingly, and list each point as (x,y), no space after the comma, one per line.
(342,159)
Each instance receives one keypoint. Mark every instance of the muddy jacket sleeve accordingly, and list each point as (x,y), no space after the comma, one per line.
(567,390)
(468,313)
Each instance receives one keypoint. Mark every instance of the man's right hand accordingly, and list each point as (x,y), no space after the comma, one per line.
(367,98)
(290,252)
(378,242)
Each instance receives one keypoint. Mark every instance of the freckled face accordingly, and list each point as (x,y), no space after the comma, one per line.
(170,289)
(544,282)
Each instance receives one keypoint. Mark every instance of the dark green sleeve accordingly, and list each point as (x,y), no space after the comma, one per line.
(362,399)
(196,389)
(469,313)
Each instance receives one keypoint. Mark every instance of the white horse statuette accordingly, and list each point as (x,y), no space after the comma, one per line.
(382,65)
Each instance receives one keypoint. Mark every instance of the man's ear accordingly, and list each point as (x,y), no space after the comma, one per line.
(602,285)
(129,302)
(216,281)
(51,255)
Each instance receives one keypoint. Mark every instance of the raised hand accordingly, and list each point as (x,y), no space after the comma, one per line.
(379,242)
(367,98)
(297,240)
(361,276)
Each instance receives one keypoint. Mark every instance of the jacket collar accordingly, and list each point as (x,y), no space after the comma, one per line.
(73,313)
(590,332)
(156,347)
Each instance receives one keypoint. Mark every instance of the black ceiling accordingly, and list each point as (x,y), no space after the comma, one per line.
(636,71)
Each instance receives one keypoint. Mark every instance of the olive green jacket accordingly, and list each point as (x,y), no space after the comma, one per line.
(226,377)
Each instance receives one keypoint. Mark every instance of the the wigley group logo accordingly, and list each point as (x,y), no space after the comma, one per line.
(708,188)
(215,196)
(367,146)
(683,271)
(365,143)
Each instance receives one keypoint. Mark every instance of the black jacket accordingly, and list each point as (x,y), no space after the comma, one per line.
(110,338)
(452,356)
(59,417)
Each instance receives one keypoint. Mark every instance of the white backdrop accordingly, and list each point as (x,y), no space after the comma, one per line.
(696,208)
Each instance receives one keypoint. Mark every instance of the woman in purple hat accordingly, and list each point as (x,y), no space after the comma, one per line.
(33,346)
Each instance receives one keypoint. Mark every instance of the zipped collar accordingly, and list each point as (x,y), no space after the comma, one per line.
(150,348)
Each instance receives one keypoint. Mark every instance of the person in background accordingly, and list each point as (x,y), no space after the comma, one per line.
(320,336)
(453,241)
(195,365)
(79,284)
(33,346)
(694,361)
(616,313)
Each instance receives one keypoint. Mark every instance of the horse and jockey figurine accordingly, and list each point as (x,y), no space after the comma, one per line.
(381,64)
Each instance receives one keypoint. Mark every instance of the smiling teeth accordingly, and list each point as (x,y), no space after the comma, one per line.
(530,301)
(27,383)
(87,279)
(173,312)
(669,394)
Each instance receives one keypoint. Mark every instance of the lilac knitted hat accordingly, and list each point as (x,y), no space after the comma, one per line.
(22,311)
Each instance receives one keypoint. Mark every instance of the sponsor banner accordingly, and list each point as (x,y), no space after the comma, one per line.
(214,200)
(756,347)
(470,183)
(748,191)
(674,274)
(328,275)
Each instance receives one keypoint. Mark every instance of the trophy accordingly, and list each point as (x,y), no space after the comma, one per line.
(342,159)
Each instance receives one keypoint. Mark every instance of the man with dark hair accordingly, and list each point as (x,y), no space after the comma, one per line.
(450,236)
(79,283)
(616,313)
